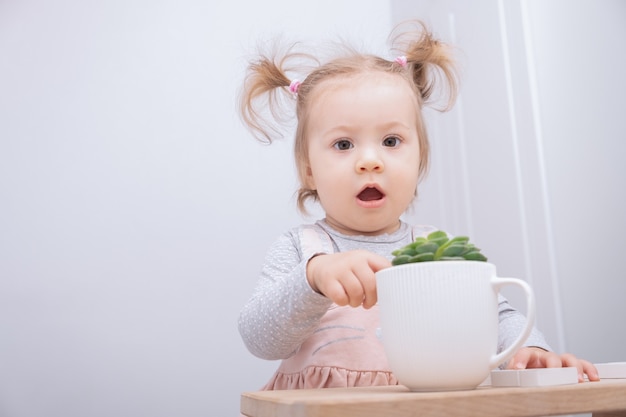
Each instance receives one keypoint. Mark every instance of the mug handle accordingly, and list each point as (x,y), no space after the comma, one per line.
(508,353)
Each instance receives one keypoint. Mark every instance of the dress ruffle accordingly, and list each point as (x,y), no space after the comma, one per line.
(329,377)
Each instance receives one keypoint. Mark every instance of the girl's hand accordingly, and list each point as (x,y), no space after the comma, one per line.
(347,278)
(533,357)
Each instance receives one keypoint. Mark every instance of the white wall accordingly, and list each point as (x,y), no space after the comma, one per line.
(582,97)
(135,210)
(529,163)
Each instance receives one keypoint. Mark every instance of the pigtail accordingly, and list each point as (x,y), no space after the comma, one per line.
(429,61)
(266,101)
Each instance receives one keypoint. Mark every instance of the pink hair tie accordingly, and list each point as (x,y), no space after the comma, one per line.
(401,60)
(293,87)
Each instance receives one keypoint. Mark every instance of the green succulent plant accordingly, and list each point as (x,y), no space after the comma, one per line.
(437,246)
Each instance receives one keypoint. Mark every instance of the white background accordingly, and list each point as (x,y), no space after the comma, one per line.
(135,210)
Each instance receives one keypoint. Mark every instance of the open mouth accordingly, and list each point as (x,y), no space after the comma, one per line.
(370,194)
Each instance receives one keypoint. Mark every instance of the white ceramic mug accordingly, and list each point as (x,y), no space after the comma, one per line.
(439,323)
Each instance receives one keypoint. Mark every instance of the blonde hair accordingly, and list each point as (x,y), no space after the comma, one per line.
(266,100)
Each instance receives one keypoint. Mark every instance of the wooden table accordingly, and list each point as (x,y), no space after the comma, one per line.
(606,398)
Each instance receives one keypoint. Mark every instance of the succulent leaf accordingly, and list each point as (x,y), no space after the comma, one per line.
(437,246)
(439,237)
(453,250)
(430,247)
(452,258)
(423,257)
(459,239)
(475,256)
(401,259)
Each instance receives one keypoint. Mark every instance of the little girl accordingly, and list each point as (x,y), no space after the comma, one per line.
(361,148)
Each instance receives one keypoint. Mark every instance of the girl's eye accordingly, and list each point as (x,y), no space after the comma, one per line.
(391,141)
(343,145)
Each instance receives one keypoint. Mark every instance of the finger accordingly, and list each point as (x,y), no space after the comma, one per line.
(552,360)
(377,262)
(540,358)
(590,370)
(567,359)
(371,297)
(353,288)
(520,359)
(336,293)
(571,361)
(583,367)
(367,279)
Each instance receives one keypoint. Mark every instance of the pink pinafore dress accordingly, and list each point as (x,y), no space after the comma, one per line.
(344,351)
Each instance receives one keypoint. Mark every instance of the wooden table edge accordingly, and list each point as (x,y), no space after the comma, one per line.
(604,398)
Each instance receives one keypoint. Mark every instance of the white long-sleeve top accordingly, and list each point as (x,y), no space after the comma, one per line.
(284,310)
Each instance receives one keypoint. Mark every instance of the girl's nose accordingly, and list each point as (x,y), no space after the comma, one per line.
(369,161)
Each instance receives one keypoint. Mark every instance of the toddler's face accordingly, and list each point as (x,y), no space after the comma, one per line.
(364,151)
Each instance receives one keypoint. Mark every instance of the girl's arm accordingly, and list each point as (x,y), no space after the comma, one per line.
(283,310)
(537,353)
(512,323)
